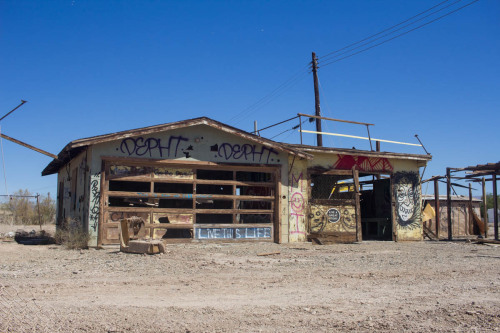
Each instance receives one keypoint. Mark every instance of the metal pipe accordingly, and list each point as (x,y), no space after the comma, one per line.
(369,138)
(14,109)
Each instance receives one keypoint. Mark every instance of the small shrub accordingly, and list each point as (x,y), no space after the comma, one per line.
(72,236)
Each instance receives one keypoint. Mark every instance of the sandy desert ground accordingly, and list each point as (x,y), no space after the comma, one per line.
(211,287)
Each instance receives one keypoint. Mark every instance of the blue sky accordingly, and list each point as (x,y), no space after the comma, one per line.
(95,67)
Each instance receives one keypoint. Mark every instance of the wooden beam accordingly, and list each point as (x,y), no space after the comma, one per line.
(436,207)
(28,146)
(485,209)
(448,198)
(333,119)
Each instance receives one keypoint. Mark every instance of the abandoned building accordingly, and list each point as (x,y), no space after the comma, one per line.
(461,214)
(200,179)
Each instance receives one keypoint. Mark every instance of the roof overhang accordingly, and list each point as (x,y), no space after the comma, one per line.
(343,151)
(74,148)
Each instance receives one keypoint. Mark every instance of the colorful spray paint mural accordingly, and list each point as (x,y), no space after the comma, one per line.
(408,208)
(341,219)
(297,206)
(363,163)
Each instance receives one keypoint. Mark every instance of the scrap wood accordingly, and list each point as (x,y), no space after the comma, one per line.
(487,241)
(316,240)
(268,253)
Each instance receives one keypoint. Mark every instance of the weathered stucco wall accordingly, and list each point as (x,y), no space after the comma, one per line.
(297,201)
(203,143)
(75,183)
(406,190)
(194,144)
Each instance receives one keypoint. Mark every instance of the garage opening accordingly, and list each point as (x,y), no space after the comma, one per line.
(187,202)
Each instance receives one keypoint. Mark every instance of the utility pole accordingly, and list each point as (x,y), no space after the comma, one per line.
(316,99)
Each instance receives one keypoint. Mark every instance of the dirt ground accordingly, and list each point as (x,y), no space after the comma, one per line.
(212,287)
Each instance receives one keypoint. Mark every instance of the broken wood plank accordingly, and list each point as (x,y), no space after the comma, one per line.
(268,253)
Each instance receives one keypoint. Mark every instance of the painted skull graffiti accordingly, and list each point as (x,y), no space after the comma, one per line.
(407,195)
(406,204)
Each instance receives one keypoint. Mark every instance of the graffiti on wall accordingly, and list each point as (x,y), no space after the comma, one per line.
(151,146)
(246,152)
(95,200)
(328,219)
(172,148)
(407,192)
(362,163)
(297,204)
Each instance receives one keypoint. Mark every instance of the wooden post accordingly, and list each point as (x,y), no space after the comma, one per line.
(359,234)
(319,137)
(495,206)
(300,125)
(436,207)
(485,209)
(470,220)
(448,199)
(38,208)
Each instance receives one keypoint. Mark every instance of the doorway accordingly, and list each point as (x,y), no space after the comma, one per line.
(375,206)
(334,207)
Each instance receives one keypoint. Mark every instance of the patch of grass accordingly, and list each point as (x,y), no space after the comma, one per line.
(72,237)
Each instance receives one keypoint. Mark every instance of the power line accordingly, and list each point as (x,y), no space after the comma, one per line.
(290,129)
(282,88)
(390,33)
(387,29)
(402,34)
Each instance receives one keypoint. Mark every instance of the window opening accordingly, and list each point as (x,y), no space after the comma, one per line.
(172,188)
(214,218)
(214,174)
(253,176)
(115,185)
(214,189)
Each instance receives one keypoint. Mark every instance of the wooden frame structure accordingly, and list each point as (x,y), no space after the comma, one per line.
(185,177)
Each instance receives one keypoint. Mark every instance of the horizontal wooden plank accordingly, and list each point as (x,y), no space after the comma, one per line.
(170,225)
(124,194)
(234,225)
(316,170)
(333,237)
(189,210)
(234,211)
(233,240)
(234,182)
(148,179)
(190,164)
(334,202)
